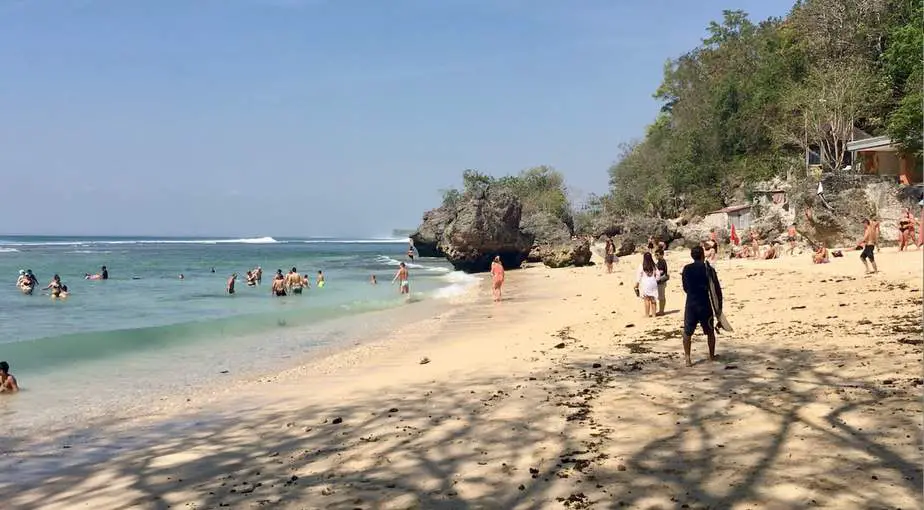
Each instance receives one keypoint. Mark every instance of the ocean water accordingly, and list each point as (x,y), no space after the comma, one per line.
(145,332)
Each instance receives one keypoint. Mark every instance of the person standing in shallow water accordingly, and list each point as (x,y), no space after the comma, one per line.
(696,278)
(231,280)
(8,383)
(497,278)
(402,278)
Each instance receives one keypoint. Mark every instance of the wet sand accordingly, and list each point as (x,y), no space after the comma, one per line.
(561,396)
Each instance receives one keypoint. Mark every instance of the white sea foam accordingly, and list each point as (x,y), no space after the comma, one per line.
(8,250)
(250,240)
(459,284)
(385,240)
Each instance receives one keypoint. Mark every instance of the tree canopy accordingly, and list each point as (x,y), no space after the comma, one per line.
(748,102)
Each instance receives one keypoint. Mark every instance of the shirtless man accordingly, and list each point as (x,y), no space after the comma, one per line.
(791,238)
(279,285)
(7,381)
(321,278)
(294,281)
(258,275)
(869,242)
(402,279)
(755,245)
(231,281)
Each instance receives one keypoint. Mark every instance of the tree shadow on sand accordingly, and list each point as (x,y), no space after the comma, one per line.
(588,433)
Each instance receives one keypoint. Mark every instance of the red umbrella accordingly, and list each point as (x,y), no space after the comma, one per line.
(734,236)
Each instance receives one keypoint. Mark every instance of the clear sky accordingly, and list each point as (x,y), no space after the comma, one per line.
(314,117)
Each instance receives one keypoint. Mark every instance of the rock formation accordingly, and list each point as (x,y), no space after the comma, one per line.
(552,243)
(427,237)
(486,223)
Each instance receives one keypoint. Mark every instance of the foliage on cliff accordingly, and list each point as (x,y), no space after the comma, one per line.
(753,97)
(539,189)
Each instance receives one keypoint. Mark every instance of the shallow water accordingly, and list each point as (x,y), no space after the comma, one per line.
(144,332)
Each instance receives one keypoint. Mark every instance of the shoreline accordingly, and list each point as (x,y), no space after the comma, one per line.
(562,391)
(330,338)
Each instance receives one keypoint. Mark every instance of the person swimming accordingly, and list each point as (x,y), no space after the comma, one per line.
(231,280)
(294,281)
(28,283)
(54,286)
(8,383)
(279,284)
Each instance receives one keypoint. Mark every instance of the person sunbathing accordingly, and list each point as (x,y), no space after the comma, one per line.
(820,255)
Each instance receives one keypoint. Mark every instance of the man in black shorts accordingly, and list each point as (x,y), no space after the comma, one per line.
(698,310)
(869,242)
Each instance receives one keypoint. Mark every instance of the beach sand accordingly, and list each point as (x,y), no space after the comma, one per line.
(561,396)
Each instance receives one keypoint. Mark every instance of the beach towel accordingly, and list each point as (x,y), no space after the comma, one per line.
(734,236)
(717,312)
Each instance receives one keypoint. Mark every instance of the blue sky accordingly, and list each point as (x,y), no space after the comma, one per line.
(314,117)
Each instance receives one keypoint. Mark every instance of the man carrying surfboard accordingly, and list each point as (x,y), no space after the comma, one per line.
(704,302)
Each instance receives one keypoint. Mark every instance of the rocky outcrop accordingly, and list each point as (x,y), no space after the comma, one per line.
(427,237)
(486,223)
(575,252)
(552,243)
(626,247)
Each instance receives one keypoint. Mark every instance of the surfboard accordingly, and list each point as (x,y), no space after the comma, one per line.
(714,301)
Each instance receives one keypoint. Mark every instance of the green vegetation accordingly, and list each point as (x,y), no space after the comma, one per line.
(540,189)
(747,103)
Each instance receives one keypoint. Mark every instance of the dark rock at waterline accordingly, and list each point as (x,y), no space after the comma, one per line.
(427,236)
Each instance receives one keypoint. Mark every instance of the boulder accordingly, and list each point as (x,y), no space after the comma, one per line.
(550,234)
(427,237)
(626,247)
(635,228)
(573,253)
(486,223)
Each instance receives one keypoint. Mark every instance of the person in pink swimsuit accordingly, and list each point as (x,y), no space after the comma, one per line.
(497,277)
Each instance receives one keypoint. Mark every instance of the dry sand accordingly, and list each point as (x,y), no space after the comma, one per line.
(561,396)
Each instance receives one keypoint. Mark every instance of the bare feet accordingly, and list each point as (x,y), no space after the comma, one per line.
(689,362)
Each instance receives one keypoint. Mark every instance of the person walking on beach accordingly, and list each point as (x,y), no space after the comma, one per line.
(609,254)
(497,278)
(663,277)
(646,285)
(8,383)
(696,278)
(402,278)
(869,242)
(278,287)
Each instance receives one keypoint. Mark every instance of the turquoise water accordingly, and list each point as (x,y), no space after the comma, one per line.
(116,336)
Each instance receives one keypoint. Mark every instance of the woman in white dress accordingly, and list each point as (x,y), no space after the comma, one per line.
(646,286)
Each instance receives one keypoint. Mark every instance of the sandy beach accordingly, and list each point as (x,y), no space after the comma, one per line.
(561,396)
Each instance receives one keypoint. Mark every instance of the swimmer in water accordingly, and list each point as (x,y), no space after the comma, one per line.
(8,383)
(320,278)
(402,278)
(279,284)
(373,281)
(103,273)
(55,286)
(294,281)
(182,277)
(251,279)
(231,281)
